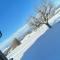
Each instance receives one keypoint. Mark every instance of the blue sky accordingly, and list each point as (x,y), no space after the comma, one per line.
(14,15)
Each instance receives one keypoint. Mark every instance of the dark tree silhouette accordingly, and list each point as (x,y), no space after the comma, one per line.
(45,12)
(0,34)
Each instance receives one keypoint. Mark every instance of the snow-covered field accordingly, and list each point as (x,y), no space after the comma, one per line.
(27,42)
(31,38)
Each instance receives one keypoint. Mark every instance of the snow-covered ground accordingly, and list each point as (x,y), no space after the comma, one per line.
(27,42)
(31,38)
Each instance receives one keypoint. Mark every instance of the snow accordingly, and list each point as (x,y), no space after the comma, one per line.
(55,19)
(31,38)
(17,34)
(28,41)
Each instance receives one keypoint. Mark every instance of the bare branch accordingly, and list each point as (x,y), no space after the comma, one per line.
(45,12)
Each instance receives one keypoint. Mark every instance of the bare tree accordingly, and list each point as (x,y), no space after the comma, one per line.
(15,43)
(34,23)
(45,12)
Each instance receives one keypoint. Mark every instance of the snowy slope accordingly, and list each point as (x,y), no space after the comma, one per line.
(27,42)
(30,39)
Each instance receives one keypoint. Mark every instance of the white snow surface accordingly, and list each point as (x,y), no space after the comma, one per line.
(31,38)
(27,42)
